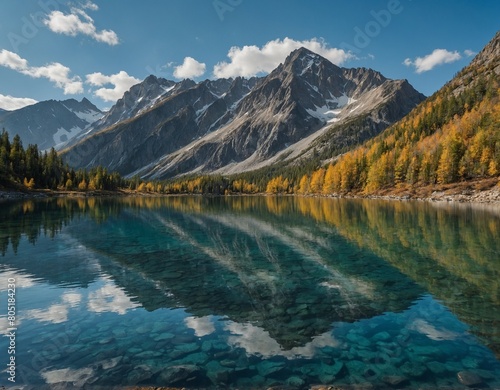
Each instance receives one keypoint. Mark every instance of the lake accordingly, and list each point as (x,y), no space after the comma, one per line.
(250,292)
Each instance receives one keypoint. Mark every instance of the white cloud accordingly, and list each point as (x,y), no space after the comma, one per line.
(91,6)
(202,326)
(55,72)
(257,341)
(12,60)
(110,298)
(469,53)
(10,103)
(249,61)
(121,83)
(59,74)
(189,68)
(430,61)
(79,22)
(56,314)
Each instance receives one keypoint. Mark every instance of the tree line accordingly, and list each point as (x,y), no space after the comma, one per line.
(452,136)
(46,170)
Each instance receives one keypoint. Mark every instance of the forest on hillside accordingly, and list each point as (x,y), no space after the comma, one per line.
(453,136)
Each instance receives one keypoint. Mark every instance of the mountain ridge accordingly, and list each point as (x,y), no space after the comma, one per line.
(50,123)
(239,126)
(452,137)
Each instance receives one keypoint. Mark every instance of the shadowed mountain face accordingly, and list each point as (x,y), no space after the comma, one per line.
(237,125)
(50,123)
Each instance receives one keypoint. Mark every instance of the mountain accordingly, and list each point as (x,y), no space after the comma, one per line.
(453,138)
(228,126)
(50,123)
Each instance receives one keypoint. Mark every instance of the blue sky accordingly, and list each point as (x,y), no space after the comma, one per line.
(58,49)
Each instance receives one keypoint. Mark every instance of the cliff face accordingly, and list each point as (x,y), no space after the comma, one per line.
(227,126)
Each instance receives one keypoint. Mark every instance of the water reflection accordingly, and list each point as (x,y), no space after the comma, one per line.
(248,269)
(321,290)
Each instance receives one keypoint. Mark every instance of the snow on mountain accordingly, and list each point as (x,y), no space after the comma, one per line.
(50,123)
(235,125)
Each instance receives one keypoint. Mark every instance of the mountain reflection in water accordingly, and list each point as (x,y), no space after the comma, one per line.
(278,276)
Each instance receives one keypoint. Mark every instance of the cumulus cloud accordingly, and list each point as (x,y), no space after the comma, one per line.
(469,53)
(189,68)
(12,60)
(430,61)
(249,61)
(10,103)
(202,326)
(56,314)
(79,22)
(55,72)
(121,83)
(110,299)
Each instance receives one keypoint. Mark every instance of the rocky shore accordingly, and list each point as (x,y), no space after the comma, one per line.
(485,191)
(470,196)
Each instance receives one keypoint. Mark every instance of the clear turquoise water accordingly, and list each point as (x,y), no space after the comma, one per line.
(251,293)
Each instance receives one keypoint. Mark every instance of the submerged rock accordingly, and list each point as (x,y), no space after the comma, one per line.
(176,374)
(469,378)
(164,336)
(217,373)
(381,336)
(414,370)
(396,381)
(267,368)
(139,374)
(295,382)
(437,367)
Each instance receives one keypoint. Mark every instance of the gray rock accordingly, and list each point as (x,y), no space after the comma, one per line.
(437,367)
(164,336)
(290,91)
(139,374)
(175,374)
(267,368)
(106,340)
(381,336)
(295,382)
(469,378)
(144,329)
(217,373)
(358,339)
(119,332)
(395,381)
(471,362)
(337,370)
(148,354)
(413,369)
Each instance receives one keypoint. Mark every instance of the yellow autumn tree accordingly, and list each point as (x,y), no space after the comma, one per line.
(82,186)
(331,182)
(303,185)
(317,178)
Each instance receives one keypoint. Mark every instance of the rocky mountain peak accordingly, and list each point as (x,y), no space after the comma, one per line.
(50,123)
(303,61)
(490,54)
(235,125)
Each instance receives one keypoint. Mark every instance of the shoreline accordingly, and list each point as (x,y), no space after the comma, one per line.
(485,191)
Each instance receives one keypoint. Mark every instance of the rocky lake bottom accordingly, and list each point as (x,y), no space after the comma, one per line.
(251,293)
